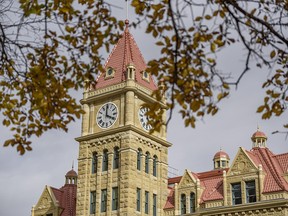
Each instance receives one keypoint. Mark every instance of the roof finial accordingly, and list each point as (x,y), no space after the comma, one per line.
(127,11)
(73,165)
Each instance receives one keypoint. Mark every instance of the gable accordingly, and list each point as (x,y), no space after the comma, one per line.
(242,164)
(187,180)
(46,201)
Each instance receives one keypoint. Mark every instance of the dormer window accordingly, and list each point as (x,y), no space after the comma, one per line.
(110,72)
(146,76)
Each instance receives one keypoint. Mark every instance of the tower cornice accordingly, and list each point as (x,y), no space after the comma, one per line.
(120,89)
(123,129)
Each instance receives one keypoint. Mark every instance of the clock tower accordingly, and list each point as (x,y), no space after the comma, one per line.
(122,168)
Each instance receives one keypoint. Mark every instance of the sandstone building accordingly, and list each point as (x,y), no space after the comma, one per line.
(122,169)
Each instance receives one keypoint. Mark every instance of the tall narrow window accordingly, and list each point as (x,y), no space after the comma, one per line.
(192,202)
(183,204)
(105,160)
(250,192)
(139,154)
(236,193)
(94,162)
(146,202)
(114,198)
(103,200)
(147,162)
(154,204)
(116,158)
(92,202)
(155,165)
(138,200)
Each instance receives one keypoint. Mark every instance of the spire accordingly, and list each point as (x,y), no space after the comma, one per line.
(125,57)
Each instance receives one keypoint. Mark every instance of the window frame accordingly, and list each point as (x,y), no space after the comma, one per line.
(192,202)
(92,202)
(154,204)
(155,160)
(94,162)
(234,191)
(138,199)
(147,158)
(183,204)
(249,188)
(103,200)
(115,198)
(116,158)
(146,206)
(139,157)
(105,160)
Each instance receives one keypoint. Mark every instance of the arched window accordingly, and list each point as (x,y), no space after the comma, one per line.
(116,158)
(155,165)
(183,204)
(105,160)
(192,202)
(139,154)
(94,162)
(147,157)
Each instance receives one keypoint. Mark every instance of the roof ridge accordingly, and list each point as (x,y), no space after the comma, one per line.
(272,169)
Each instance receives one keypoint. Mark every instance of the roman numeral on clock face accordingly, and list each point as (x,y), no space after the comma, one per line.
(107,115)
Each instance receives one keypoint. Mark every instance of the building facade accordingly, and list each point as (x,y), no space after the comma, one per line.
(62,201)
(122,168)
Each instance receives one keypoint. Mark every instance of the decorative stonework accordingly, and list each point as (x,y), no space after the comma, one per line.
(242,164)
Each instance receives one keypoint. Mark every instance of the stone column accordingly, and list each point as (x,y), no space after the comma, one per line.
(224,188)
(129,111)
(261,182)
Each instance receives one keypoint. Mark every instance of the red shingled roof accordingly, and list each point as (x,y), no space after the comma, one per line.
(274,180)
(66,197)
(274,166)
(124,53)
(170,199)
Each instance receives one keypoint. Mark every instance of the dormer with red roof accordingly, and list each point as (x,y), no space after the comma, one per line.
(255,184)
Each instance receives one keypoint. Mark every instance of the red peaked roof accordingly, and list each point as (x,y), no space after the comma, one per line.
(125,52)
(274,166)
(66,197)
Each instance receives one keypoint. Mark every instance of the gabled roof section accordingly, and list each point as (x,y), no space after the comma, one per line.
(274,180)
(170,202)
(126,52)
(212,181)
(66,197)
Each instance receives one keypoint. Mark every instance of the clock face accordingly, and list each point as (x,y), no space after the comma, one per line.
(107,115)
(144,119)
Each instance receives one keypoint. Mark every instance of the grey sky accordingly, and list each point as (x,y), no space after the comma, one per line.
(22,178)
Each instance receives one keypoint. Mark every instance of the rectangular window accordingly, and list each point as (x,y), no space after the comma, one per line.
(154,204)
(92,202)
(138,200)
(183,203)
(114,198)
(94,163)
(250,192)
(146,202)
(236,193)
(116,158)
(139,154)
(103,200)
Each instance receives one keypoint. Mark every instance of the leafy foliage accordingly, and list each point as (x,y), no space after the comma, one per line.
(191,34)
(50,48)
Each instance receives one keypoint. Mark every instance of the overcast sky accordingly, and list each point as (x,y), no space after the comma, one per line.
(23,178)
